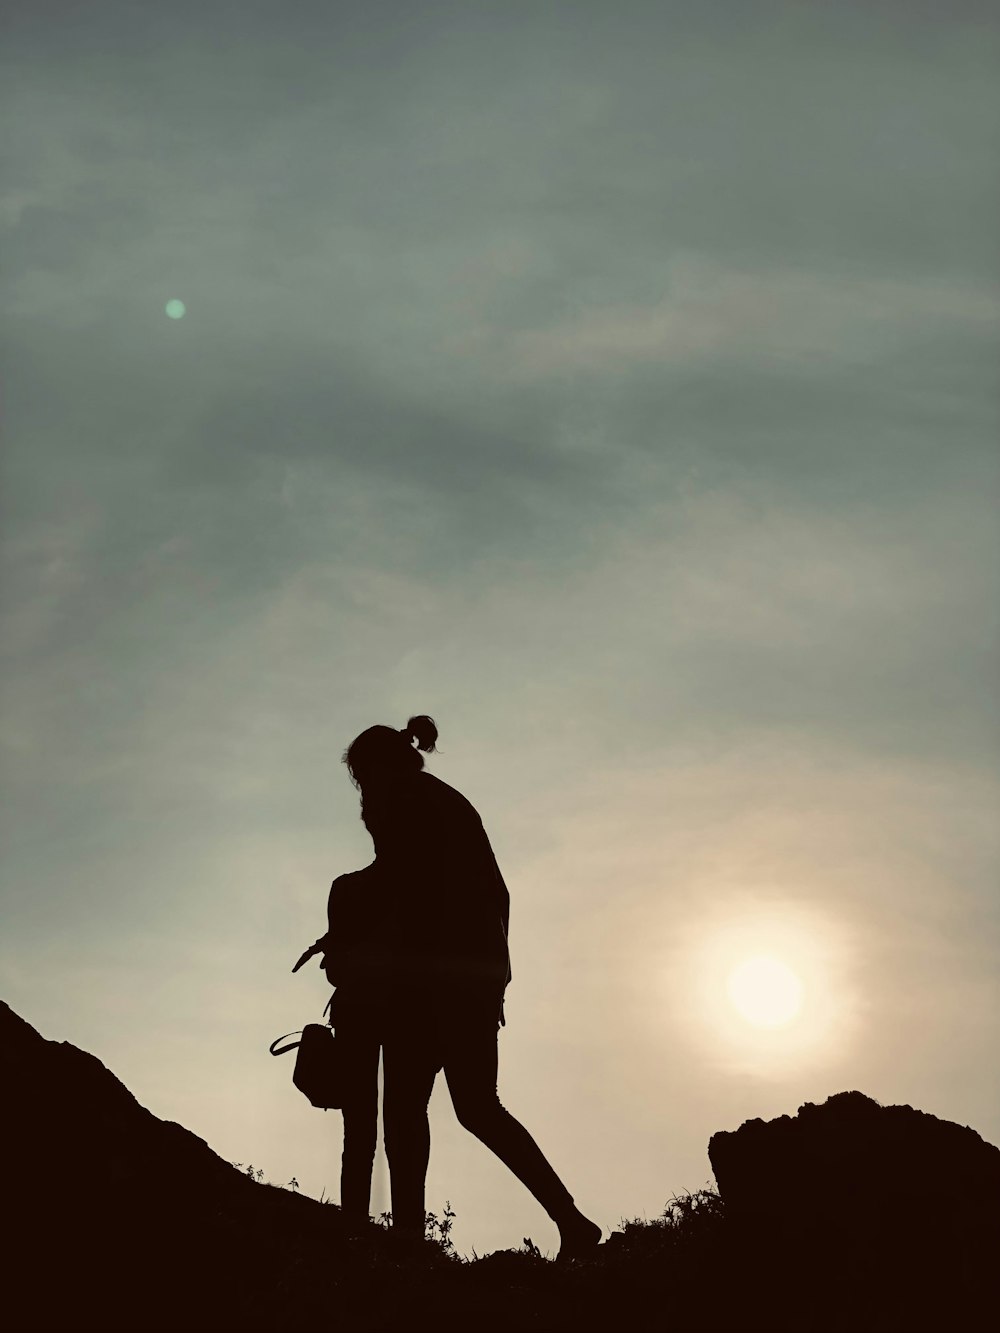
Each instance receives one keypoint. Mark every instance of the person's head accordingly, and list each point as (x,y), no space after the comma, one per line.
(382,754)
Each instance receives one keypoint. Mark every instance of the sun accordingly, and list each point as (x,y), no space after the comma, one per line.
(765,991)
(762,987)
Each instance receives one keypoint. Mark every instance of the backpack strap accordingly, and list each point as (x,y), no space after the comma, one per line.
(282,1049)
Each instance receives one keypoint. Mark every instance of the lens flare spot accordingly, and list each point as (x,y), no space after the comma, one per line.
(765,991)
(175,309)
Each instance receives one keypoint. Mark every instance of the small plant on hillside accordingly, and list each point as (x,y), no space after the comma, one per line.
(688,1221)
(257,1175)
(439,1228)
(436,1229)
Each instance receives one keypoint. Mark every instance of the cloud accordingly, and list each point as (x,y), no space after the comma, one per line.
(787,317)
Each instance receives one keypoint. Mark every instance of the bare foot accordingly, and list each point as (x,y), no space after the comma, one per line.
(579,1237)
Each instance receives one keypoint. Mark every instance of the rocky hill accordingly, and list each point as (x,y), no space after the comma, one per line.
(847,1216)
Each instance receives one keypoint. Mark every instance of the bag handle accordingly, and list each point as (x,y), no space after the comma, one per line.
(297,1033)
(282,1049)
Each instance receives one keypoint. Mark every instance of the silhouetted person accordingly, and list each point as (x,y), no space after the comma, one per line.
(355,963)
(425,973)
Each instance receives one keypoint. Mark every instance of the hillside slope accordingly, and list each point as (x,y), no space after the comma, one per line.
(847,1216)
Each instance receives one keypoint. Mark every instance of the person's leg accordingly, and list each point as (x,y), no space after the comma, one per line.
(409,1068)
(359,1052)
(470,1066)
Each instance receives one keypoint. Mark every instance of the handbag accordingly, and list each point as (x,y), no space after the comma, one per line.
(319,1067)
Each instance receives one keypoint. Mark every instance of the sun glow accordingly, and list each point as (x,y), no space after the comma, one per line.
(765,991)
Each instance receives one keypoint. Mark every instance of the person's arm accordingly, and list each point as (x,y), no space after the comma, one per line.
(338,931)
(317,947)
(479,899)
(326,942)
(345,914)
(504,902)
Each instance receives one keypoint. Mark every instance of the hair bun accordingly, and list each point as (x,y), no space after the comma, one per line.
(422,730)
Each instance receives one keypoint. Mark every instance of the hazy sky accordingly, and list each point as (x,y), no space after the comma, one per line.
(616,383)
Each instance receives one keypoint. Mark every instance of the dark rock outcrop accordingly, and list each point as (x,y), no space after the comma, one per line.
(851,1161)
(890,1210)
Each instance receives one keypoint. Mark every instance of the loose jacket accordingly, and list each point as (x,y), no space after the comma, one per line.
(430,915)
